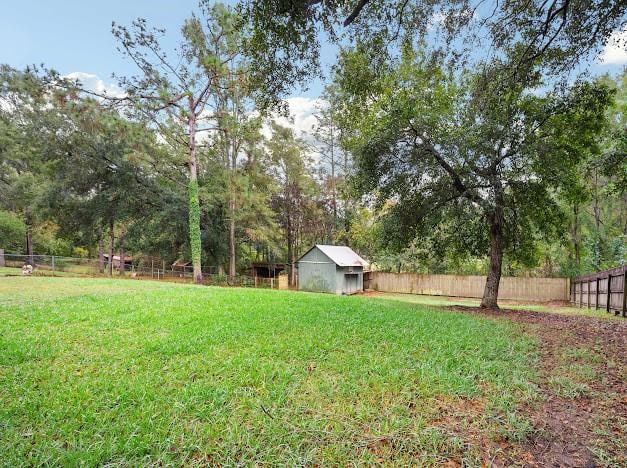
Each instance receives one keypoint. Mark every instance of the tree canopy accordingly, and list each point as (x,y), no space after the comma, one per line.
(427,155)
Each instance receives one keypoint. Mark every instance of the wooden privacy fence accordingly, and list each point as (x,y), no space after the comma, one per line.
(514,288)
(603,290)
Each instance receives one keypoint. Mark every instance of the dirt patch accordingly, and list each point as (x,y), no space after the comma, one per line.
(583,414)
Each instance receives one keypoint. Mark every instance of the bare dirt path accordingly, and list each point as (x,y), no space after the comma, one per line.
(581,420)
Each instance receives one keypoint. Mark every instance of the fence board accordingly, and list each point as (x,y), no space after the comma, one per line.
(609,290)
(524,289)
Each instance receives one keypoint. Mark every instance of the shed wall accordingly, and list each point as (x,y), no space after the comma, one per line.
(342,286)
(316,272)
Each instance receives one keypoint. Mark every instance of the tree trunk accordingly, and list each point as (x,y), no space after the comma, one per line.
(232,238)
(491,291)
(121,265)
(111,242)
(290,253)
(333,184)
(194,201)
(293,270)
(596,208)
(576,240)
(232,150)
(100,252)
(29,245)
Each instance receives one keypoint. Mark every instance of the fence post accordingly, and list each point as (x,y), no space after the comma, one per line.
(589,282)
(596,295)
(152,268)
(625,293)
(2,261)
(571,291)
(53,265)
(609,292)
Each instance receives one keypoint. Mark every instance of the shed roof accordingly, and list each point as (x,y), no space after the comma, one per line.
(340,255)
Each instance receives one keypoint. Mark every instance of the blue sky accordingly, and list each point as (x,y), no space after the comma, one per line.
(75,36)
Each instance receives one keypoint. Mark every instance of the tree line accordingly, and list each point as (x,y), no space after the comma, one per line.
(428,157)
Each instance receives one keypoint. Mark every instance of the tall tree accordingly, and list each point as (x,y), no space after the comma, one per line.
(294,200)
(327,138)
(237,126)
(103,179)
(335,165)
(178,89)
(474,149)
(29,123)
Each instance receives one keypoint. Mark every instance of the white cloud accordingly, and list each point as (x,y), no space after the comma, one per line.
(94,83)
(303,112)
(615,50)
(5,105)
(302,118)
(437,20)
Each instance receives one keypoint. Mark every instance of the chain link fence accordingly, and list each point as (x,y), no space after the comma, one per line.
(53,265)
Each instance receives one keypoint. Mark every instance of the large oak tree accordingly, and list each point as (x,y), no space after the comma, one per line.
(474,152)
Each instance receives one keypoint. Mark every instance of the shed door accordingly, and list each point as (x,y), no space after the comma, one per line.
(351,281)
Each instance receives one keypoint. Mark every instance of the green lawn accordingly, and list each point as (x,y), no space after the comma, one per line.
(8,271)
(121,372)
(444,301)
(72,271)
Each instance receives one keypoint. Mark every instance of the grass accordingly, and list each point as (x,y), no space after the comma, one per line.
(8,271)
(578,368)
(98,371)
(72,271)
(444,301)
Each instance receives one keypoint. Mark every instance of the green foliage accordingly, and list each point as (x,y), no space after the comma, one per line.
(12,232)
(194,222)
(80,252)
(285,40)
(73,163)
(47,242)
(449,153)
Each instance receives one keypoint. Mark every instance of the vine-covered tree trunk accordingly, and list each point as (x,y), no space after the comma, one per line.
(491,291)
(293,270)
(194,228)
(194,201)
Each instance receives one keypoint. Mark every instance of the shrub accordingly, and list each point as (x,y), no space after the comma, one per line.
(12,232)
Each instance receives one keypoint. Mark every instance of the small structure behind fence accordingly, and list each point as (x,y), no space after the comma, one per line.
(605,290)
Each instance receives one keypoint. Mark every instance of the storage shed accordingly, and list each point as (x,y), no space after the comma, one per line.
(331,268)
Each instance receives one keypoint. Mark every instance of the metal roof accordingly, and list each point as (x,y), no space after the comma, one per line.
(340,255)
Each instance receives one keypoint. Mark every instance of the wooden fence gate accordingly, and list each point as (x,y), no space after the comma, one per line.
(603,290)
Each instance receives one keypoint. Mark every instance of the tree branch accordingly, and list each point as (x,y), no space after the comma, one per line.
(355,13)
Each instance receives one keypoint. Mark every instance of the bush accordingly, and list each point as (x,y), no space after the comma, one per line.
(80,252)
(12,232)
